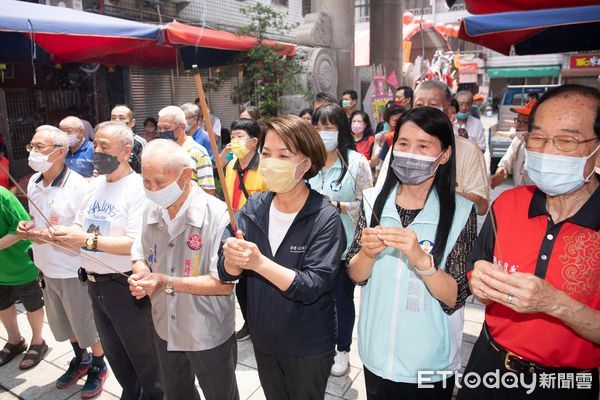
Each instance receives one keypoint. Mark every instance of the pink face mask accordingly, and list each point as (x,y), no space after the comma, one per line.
(358,127)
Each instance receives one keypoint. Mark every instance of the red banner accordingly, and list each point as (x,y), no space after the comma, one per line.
(584,61)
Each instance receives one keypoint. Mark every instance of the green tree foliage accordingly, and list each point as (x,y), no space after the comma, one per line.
(267,75)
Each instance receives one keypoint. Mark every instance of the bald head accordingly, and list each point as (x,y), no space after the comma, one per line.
(163,162)
(73,126)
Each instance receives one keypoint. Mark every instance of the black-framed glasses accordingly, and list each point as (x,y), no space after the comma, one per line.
(562,143)
(39,147)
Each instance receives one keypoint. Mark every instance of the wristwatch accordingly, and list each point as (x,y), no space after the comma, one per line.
(169,288)
(89,242)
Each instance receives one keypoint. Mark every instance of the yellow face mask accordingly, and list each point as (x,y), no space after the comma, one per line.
(279,175)
(239,147)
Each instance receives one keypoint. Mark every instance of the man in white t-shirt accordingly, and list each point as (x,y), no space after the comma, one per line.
(104,229)
(466,125)
(58,192)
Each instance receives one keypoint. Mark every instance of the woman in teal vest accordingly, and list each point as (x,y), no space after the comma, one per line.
(409,252)
(343,179)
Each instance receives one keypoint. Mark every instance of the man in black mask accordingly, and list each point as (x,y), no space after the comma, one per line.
(104,230)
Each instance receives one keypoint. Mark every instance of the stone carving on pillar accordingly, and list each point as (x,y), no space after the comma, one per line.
(316,31)
(314,52)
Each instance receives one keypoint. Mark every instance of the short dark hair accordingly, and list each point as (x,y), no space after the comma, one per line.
(325,98)
(408,92)
(571,89)
(533,95)
(152,120)
(393,110)
(454,103)
(299,136)
(352,93)
(123,105)
(306,111)
(253,111)
(250,126)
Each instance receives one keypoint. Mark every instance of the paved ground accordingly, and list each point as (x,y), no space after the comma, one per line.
(38,383)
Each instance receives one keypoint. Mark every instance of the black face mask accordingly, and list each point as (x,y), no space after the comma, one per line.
(168,135)
(105,163)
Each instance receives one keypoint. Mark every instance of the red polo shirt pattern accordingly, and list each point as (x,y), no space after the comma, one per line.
(567,255)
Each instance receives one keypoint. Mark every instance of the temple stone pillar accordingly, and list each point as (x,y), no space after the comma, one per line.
(385,21)
(341,13)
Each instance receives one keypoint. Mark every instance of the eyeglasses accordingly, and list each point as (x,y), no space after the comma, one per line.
(562,143)
(39,147)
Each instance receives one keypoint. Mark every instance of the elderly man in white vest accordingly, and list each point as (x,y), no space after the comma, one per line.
(175,264)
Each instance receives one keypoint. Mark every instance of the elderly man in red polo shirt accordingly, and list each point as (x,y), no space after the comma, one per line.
(539,276)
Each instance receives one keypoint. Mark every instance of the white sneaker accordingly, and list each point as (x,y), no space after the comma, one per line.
(340,363)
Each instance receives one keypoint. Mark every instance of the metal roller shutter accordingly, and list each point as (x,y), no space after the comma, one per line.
(151,90)
(219,101)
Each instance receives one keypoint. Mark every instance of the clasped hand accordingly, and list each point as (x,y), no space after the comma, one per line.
(375,240)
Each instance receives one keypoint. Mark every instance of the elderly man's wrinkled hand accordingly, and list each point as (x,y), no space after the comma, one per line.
(523,292)
(478,286)
(148,285)
(136,290)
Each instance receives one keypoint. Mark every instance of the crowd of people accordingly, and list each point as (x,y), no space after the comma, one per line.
(131,254)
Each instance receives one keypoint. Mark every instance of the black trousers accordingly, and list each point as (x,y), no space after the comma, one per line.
(344,304)
(379,388)
(294,378)
(214,368)
(127,334)
(241,292)
(485,359)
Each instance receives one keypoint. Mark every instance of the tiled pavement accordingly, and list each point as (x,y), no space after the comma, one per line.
(38,383)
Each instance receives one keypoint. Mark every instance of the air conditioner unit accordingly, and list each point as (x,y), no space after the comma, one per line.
(74,4)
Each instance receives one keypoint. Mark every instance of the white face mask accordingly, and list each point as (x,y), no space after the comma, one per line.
(73,140)
(330,139)
(555,174)
(167,195)
(39,162)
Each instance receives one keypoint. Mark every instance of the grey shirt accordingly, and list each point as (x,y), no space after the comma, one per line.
(185,321)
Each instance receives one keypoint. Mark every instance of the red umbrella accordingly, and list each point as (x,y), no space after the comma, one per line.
(498,6)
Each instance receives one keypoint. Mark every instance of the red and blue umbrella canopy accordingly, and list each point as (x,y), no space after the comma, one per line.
(34,32)
(67,35)
(537,31)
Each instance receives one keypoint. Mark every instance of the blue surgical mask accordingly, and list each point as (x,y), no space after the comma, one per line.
(556,174)
(461,115)
(168,135)
(330,139)
(386,127)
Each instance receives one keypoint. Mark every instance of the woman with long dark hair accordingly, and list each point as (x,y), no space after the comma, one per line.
(343,179)
(362,131)
(409,252)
